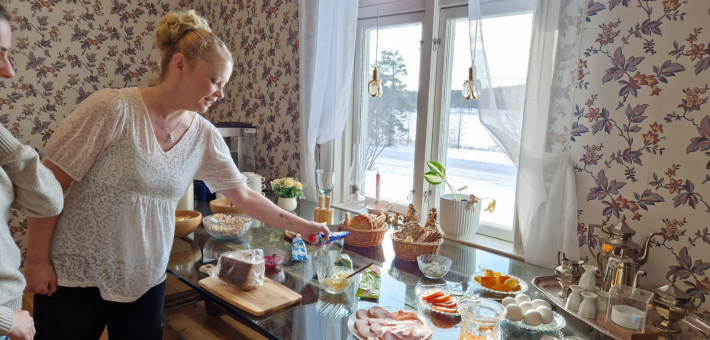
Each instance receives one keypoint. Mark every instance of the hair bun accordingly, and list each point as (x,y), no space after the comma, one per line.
(174,26)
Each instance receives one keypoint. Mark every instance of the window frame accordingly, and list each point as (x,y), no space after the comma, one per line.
(433,15)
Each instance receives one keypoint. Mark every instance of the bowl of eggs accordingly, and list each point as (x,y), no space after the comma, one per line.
(530,314)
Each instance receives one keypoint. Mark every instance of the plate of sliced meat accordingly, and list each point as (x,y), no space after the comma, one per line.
(378,323)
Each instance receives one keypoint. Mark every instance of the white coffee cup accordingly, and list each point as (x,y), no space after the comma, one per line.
(248,174)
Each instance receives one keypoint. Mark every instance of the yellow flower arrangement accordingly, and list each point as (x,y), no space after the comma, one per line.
(287,187)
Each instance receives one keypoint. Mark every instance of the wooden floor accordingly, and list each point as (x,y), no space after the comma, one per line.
(188,323)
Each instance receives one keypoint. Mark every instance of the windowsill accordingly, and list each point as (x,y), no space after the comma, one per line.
(487,243)
(344,207)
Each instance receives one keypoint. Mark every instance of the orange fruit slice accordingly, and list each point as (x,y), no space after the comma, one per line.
(490,273)
(501,288)
(501,279)
(516,288)
(478,279)
(489,284)
(511,283)
(489,279)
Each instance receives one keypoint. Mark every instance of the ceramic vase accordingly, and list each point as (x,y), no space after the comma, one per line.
(288,204)
(588,307)
(588,281)
(602,302)
(456,219)
(574,299)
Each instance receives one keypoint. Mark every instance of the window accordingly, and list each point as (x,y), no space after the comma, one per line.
(422,114)
(472,158)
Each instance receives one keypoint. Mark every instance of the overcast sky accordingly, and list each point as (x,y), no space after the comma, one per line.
(506,39)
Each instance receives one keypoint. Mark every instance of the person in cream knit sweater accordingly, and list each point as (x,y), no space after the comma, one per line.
(26,185)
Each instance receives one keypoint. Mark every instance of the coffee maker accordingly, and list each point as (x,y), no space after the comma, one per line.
(241,140)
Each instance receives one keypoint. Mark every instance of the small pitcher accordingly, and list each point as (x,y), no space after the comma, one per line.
(588,307)
(481,318)
(588,281)
(574,299)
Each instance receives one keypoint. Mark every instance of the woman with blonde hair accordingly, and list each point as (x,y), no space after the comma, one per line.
(129,156)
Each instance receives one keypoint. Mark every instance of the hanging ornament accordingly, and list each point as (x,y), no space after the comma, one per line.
(469,87)
(374,87)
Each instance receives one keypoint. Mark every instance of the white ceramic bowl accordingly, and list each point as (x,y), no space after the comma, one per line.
(628,317)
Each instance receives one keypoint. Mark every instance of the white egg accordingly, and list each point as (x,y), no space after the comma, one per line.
(508,300)
(526,306)
(533,318)
(522,298)
(514,312)
(546,314)
(537,303)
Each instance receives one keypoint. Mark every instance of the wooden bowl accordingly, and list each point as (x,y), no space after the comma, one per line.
(222,205)
(185,227)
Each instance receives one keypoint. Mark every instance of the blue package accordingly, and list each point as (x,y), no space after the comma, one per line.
(298,250)
(320,237)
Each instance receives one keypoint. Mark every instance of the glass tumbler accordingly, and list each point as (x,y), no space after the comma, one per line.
(481,319)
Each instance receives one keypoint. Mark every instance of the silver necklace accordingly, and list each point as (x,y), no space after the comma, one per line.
(170,132)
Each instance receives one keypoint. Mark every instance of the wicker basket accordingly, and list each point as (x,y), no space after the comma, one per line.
(364,238)
(409,251)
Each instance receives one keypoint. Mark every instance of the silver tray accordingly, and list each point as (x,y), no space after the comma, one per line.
(549,286)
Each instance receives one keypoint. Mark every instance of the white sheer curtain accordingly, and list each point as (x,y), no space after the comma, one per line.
(546,205)
(327,53)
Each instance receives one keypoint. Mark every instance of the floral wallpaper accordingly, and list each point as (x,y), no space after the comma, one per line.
(264,90)
(641,130)
(63,51)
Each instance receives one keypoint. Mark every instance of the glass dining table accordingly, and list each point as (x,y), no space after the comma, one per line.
(321,315)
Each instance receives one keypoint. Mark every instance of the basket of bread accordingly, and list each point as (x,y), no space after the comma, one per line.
(366,230)
(413,240)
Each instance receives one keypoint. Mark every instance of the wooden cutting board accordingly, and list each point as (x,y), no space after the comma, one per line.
(269,297)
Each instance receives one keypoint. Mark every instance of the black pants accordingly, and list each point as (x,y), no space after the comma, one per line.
(81,314)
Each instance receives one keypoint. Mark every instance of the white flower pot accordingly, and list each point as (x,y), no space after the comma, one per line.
(455,219)
(288,204)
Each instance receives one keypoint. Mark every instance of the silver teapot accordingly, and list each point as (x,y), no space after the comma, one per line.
(626,254)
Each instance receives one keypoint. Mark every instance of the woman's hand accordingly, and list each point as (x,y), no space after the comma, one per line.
(314,228)
(41,279)
(24,326)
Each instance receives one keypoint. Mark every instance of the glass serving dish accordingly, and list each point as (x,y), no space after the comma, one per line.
(273,257)
(227,231)
(558,322)
(521,282)
(455,294)
(333,280)
(434,266)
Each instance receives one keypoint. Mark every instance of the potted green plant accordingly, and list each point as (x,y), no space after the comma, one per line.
(459,216)
(287,190)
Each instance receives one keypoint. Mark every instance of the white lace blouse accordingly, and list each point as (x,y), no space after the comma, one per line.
(116,230)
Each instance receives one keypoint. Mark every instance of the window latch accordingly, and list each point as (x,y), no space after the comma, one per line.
(436,41)
(409,197)
(426,196)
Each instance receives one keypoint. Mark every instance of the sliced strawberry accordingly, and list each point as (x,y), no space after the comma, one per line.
(443,298)
(445,309)
(432,295)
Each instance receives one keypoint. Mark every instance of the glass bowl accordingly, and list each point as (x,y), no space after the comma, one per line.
(227,231)
(273,257)
(327,277)
(428,264)
(521,282)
